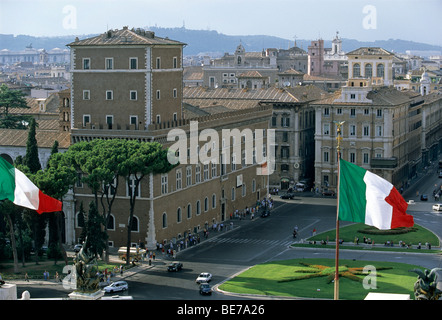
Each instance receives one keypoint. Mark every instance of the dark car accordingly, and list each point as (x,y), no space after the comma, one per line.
(288,195)
(175,266)
(424,197)
(265,213)
(205,289)
(330,193)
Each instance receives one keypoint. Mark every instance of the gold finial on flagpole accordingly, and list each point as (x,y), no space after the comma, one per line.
(339,138)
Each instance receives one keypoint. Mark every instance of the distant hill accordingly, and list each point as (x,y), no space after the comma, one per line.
(203,41)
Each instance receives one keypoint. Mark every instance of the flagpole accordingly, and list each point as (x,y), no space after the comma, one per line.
(338,148)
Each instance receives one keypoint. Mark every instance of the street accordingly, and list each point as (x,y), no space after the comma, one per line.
(226,253)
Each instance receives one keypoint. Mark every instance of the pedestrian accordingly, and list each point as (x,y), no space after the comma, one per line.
(56,277)
(121,270)
(26,277)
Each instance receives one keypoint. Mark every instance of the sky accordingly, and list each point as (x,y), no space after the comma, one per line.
(364,20)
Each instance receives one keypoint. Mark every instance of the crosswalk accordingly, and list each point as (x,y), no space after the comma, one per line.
(263,242)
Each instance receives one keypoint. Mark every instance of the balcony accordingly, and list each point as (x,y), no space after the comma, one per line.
(383,163)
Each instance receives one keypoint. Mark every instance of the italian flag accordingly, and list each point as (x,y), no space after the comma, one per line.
(367,198)
(16,186)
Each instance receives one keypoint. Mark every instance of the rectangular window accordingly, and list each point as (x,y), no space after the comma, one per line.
(366,131)
(326,156)
(109,121)
(133,63)
(133,120)
(86,119)
(326,112)
(214,173)
(365,158)
(158,63)
(352,113)
(197,173)
(352,157)
(133,95)
(379,113)
(285,122)
(109,63)
(109,95)
(86,63)
(131,187)
(175,93)
(206,172)
(158,94)
(326,129)
(178,179)
(86,95)
(352,130)
(164,183)
(188,176)
(379,131)
(175,62)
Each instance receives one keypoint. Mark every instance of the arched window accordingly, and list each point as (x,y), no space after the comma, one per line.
(198,208)
(178,215)
(164,220)
(206,204)
(134,225)
(380,70)
(368,70)
(356,70)
(189,211)
(111,222)
(213,201)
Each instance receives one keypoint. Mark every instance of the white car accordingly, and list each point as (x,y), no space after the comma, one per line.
(116,286)
(437,207)
(204,278)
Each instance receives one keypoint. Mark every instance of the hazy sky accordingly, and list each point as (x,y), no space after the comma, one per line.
(365,20)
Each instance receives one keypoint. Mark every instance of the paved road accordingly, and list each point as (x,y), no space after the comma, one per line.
(251,242)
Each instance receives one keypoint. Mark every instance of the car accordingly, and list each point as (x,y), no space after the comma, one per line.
(265,214)
(288,195)
(440,174)
(205,289)
(204,277)
(77,248)
(437,207)
(328,193)
(175,266)
(116,286)
(424,197)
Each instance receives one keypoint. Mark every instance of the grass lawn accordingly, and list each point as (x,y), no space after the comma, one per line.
(348,233)
(278,278)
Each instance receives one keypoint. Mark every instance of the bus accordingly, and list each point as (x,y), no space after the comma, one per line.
(135,254)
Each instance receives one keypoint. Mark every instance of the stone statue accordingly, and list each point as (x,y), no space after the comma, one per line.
(426,287)
(86,270)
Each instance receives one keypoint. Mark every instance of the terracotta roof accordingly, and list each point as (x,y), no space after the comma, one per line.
(234,98)
(383,96)
(125,37)
(291,72)
(370,51)
(251,74)
(45,138)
